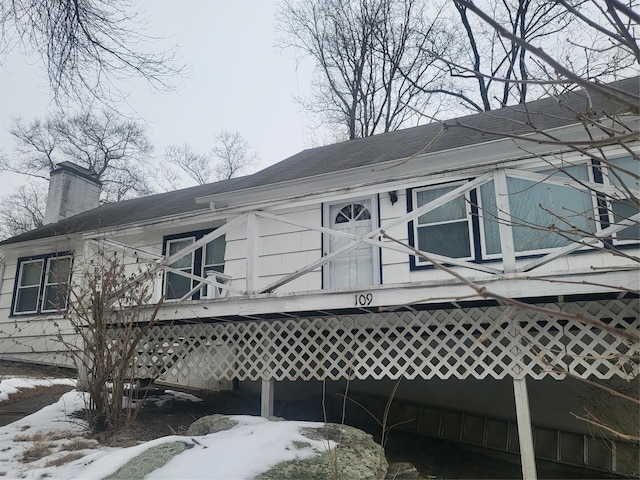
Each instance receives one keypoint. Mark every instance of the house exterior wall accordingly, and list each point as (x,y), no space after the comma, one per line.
(42,338)
(281,248)
(296,236)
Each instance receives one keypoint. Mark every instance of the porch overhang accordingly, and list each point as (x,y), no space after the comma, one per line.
(448,293)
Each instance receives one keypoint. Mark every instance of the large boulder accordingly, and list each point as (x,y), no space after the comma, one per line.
(211,424)
(155,457)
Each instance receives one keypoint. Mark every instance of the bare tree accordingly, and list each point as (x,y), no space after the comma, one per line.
(230,157)
(88,46)
(110,324)
(368,55)
(197,166)
(234,155)
(513,47)
(23,210)
(115,149)
(480,55)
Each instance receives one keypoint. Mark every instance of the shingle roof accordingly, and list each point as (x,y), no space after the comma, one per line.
(545,114)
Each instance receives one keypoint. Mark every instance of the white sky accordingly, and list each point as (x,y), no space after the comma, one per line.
(237,80)
(253,446)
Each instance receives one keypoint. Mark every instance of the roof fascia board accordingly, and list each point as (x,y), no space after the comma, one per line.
(179,220)
(44,245)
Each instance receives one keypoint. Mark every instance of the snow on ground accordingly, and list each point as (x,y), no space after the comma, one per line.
(12,385)
(253,446)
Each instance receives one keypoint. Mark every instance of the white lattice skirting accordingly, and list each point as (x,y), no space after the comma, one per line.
(477,342)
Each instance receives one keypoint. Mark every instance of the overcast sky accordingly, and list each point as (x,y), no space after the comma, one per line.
(236,80)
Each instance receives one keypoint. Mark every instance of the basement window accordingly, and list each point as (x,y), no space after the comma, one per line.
(198,263)
(42,284)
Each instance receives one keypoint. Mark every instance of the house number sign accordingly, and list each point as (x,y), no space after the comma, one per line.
(364,299)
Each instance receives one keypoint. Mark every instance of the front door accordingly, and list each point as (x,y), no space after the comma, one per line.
(359,266)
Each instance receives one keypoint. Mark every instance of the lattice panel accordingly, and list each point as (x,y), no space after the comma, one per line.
(477,342)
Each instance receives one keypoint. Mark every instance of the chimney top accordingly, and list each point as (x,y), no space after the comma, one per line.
(72,189)
(78,171)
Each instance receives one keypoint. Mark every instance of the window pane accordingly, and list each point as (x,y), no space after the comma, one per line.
(214,252)
(177,245)
(360,212)
(622,211)
(27,300)
(177,286)
(55,297)
(59,269)
(449,239)
(31,273)
(489,213)
(453,210)
(538,208)
(56,285)
(624,174)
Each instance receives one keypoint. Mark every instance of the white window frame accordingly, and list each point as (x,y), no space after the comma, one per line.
(540,170)
(22,287)
(43,283)
(46,284)
(468,218)
(199,272)
(191,265)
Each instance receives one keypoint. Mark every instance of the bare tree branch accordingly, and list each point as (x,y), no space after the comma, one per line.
(88,46)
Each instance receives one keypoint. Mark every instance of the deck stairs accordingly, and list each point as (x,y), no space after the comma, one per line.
(498,434)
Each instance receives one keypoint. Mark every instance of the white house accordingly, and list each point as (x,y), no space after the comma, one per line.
(310,270)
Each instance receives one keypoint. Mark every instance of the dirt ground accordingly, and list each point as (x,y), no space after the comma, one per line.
(433,458)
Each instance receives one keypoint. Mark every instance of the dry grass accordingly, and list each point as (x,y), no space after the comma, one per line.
(44,444)
(70,457)
(37,451)
(50,436)
(79,444)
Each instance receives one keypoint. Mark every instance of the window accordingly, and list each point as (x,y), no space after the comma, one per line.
(445,230)
(42,284)
(199,263)
(176,285)
(623,174)
(544,215)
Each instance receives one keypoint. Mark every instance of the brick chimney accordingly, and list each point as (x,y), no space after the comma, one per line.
(72,189)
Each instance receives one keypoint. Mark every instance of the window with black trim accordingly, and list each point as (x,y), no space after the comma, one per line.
(544,214)
(200,263)
(445,230)
(42,284)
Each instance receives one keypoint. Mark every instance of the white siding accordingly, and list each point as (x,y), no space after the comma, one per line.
(33,337)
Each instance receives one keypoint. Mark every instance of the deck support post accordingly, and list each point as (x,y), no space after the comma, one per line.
(252,252)
(525,432)
(266,397)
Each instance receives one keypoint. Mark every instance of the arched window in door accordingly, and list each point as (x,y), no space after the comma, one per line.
(353,211)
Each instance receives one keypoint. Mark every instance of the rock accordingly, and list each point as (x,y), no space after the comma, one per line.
(148,461)
(211,424)
(356,457)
